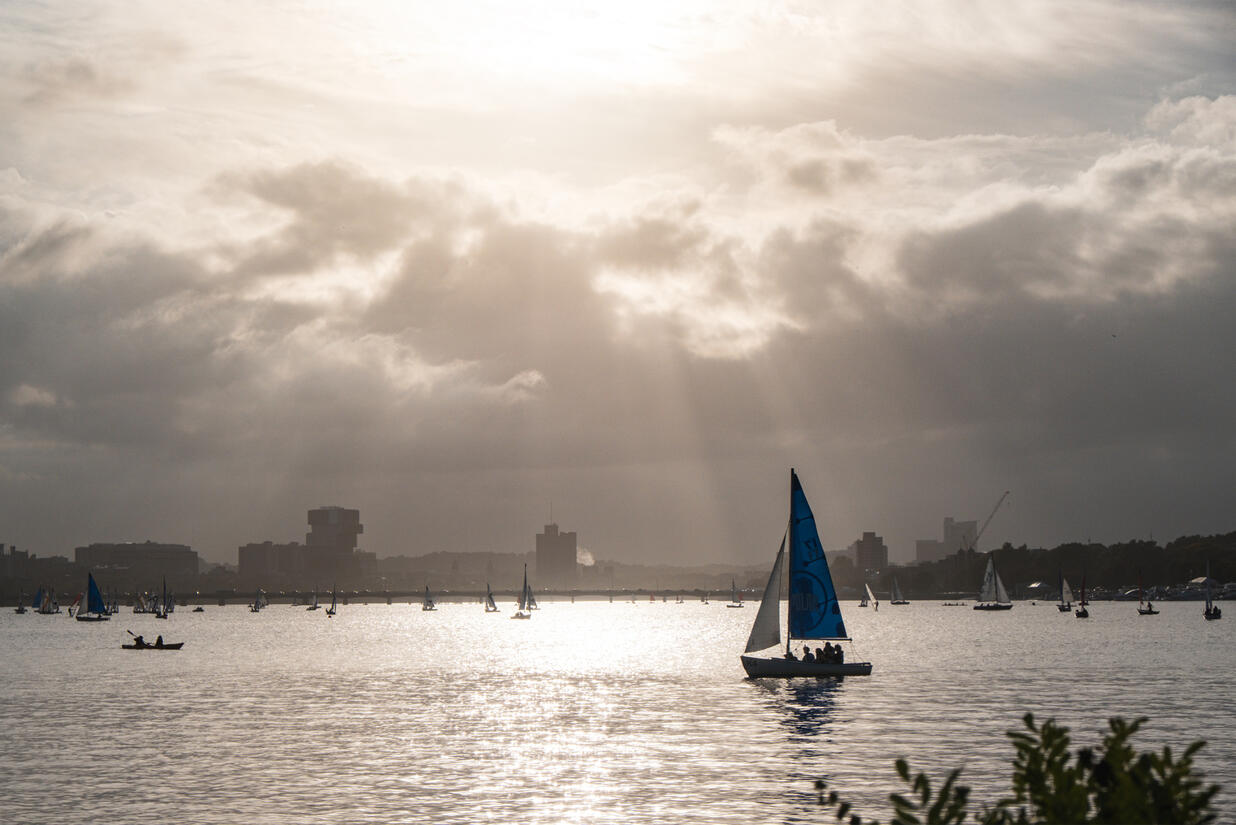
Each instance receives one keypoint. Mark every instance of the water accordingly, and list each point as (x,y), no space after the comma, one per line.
(590,712)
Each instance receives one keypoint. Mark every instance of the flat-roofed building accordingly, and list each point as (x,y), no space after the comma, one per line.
(556,558)
(144,559)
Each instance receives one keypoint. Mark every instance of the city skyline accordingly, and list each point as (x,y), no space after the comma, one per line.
(449,265)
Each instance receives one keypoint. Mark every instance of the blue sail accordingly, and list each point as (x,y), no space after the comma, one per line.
(38,599)
(815,612)
(94,599)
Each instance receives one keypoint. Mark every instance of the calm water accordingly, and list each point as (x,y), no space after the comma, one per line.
(590,712)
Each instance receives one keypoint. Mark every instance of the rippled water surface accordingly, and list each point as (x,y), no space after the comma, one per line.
(590,712)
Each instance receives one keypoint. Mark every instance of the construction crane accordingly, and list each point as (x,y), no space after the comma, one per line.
(990,516)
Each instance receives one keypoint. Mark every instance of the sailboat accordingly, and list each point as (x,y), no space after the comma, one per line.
(428,603)
(161,610)
(993,596)
(1081,612)
(96,609)
(45,603)
(735,596)
(870,598)
(1143,609)
(259,601)
(897,597)
(21,597)
(524,610)
(1212,610)
(814,612)
(334,603)
(491,606)
(314,604)
(1066,595)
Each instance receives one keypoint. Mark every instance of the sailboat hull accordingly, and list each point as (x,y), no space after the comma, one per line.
(760,668)
(993,606)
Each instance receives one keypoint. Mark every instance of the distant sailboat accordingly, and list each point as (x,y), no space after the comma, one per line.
(524,609)
(21,597)
(45,604)
(259,601)
(334,603)
(897,597)
(490,605)
(870,598)
(1144,608)
(96,609)
(814,611)
(992,595)
(314,604)
(1212,610)
(735,596)
(1066,595)
(161,610)
(1081,612)
(428,603)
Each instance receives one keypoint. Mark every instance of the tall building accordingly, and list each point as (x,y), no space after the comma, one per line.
(870,554)
(556,557)
(958,535)
(328,556)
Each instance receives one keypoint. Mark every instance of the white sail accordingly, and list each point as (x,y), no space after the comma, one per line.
(766,630)
(1066,592)
(1002,595)
(897,592)
(987,593)
(870,596)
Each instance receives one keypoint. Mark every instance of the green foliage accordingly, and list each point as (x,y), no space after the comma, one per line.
(1116,784)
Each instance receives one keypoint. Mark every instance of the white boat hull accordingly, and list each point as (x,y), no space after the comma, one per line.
(758,667)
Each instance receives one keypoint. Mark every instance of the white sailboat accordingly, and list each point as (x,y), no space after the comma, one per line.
(314,604)
(490,605)
(334,603)
(1066,595)
(897,597)
(735,596)
(869,598)
(814,611)
(428,603)
(259,601)
(524,609)
(993,596)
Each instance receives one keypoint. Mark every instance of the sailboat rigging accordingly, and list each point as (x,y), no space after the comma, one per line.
(334,602)
(428,603)
(814,611)
(490,605)
(735,596)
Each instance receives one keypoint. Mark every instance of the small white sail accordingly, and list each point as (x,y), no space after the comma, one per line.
(897,592)
(1066,592)
(766,630)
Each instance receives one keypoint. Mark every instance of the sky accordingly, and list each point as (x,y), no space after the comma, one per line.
(471,266)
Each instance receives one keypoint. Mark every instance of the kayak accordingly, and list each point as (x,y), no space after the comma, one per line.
(164,646)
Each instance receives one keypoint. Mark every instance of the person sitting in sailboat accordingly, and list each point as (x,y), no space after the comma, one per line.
(789,654)
(138,641)
(808,656)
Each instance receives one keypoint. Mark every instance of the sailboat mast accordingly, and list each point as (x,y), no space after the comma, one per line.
(789,557)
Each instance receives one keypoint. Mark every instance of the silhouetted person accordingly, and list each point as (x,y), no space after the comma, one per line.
(819,655)
(159,642)
(138,641)
(828,652)
(838,655)
(808,656)
(789,654)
